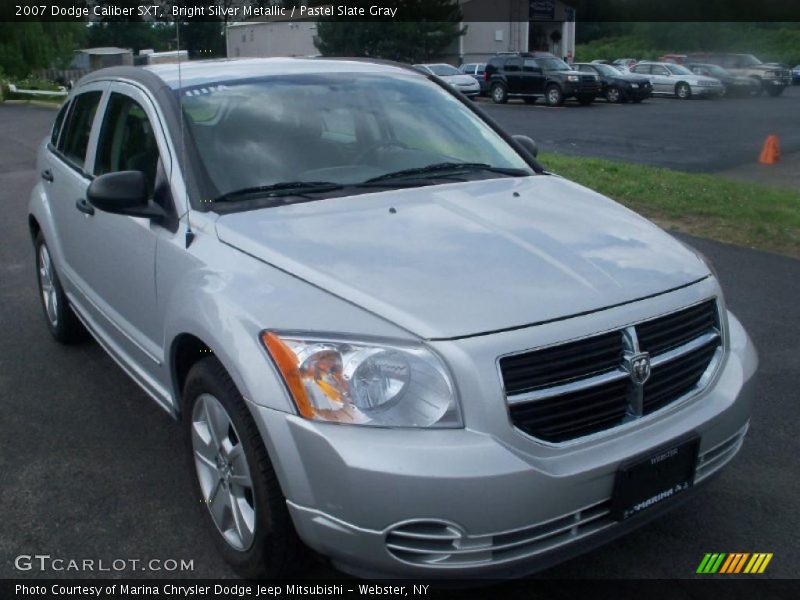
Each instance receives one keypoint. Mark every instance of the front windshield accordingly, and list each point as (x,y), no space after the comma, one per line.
(679,70)
(715,70)
(444,70)
(748,60)
(553,64)
(606,70)
(343,128)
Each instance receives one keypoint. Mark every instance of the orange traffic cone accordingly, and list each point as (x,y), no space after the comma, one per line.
(771,152)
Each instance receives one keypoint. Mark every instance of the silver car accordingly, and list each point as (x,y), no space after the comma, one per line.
(676,80)
(464,83)
(387,331)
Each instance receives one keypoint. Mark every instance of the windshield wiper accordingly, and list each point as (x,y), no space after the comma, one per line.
(277,190)
(446,168)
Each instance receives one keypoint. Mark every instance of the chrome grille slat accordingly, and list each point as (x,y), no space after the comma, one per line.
(683,347)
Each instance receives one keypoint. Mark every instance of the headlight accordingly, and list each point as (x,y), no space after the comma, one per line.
(361,383)
(573,77)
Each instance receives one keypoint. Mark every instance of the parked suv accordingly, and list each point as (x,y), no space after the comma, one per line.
(531,75)
(774,78)
(385,329)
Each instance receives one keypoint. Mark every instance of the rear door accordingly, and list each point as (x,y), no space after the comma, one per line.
(533,77)
(513,73)
(67,179)
(662,79)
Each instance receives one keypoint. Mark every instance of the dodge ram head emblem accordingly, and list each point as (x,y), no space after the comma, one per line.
(638,365)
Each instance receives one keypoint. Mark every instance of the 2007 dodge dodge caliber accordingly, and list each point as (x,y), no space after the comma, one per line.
(389,333)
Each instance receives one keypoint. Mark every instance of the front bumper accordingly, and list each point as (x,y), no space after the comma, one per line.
(464,503)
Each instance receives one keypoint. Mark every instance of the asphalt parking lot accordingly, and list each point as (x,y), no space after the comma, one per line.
(689,135)
(91,468)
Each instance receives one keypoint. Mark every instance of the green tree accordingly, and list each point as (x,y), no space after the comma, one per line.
(435,27)
(27,47)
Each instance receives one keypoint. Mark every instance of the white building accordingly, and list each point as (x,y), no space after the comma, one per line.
(516,26)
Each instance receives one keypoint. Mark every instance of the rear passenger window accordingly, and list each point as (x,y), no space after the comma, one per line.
(514,64)
(643,69)
(59,122)
(75,139)
(127,141)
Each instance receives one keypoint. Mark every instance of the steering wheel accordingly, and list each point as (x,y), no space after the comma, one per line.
(377,146)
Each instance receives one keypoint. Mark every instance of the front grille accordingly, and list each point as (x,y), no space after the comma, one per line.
(664,333)
(561,364)
(580,388)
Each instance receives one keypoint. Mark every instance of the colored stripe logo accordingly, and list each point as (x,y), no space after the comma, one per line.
(734,563)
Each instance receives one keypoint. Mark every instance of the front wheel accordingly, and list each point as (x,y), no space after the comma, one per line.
(683,91)
(553,96)
(235,484)
(64,326)
(775,91)
(614,95)
(499,93)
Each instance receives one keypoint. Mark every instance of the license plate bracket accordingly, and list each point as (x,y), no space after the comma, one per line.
(652,478)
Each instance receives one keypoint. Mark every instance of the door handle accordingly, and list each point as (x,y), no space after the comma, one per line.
(82,204)
(47,175)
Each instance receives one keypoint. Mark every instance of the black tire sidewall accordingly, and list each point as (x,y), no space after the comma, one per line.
(276,548)
(503,98)
(547,100)
(68,329)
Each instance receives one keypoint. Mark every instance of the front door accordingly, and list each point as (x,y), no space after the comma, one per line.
(117,253)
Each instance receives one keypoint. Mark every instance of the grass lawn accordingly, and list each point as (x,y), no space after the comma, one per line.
(748,214)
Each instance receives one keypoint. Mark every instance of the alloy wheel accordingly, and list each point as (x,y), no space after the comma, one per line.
(613,95)
(47,285)
(223,472)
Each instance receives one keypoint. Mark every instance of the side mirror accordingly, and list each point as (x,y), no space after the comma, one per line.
(528,144)
(123,193)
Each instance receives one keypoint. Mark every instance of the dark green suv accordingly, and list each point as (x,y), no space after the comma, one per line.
(531,75)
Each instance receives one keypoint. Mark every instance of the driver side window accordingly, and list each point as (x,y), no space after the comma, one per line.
(127,141)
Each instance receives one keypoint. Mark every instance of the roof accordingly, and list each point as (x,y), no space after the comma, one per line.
(105,50)
(201,72)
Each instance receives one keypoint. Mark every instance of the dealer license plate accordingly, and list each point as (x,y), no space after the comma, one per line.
(647,481)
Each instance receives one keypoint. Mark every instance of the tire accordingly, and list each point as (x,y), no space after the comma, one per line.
(271,547)
(499,93)
(64,326)
(553,96)
(683,91)
(614,95)
(774,92)
(585,100)
(760,89)
(529,100)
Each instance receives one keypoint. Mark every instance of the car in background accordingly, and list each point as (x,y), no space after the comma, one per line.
(531,75)
(616,86)
(773,77)
(476,70)
(452,76)
(624,63)
(796,75)
(676,80)
(600,61)
(735,85)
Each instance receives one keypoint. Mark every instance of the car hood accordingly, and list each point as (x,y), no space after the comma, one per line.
(697,78)
(466,258)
